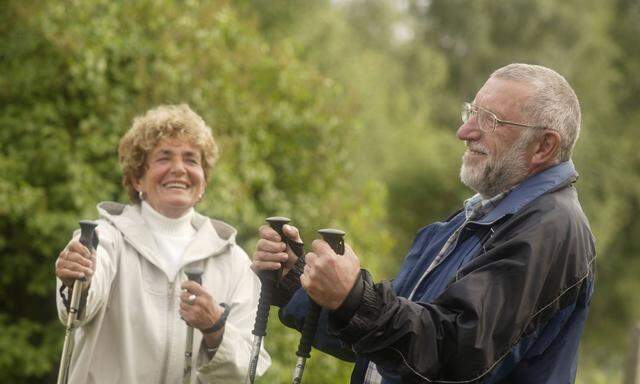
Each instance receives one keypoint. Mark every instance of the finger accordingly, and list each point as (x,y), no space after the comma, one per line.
(292,232)
(185,314)
(184,296)
(72,265)
(201,294)
(75,257)
(67,274)
(322,248)
(311,259)
(270,246)
(191,305)
(258,266)
(270,256)
(77,247)
(310,272)
(304,281)
(268,233)
(348,252)
(193,287)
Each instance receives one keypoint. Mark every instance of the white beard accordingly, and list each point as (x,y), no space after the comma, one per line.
(496,174)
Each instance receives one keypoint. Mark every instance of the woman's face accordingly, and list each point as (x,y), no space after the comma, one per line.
(174,179)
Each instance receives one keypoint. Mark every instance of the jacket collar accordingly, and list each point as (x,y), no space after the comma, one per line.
(212,238)
(550,179)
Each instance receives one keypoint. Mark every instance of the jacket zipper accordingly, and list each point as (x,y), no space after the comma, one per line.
(167,356)
(452,248)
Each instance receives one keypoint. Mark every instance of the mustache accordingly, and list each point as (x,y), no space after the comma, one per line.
(476,147)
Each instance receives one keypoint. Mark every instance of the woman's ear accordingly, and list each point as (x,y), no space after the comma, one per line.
(137,185)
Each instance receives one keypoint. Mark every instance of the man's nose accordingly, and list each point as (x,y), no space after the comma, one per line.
(469,131)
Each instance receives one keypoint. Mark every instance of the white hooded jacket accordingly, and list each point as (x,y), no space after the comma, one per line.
(130,330)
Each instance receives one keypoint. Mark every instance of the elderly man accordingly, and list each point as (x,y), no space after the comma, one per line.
(496,293)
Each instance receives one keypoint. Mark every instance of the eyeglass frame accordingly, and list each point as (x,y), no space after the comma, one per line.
(473,108)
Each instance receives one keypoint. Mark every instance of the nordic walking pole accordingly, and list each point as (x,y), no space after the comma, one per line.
(193,274)
(89,239)
(269,280)
(334,237)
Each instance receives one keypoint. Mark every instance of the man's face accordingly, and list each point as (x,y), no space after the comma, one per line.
(495,161)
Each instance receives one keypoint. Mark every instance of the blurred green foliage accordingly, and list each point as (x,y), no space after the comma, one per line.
(334,113)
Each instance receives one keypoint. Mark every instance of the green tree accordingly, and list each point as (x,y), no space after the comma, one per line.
(73,76)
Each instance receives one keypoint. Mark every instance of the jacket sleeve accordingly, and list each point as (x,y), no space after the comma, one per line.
(510,290)
(96,297)
(293,315)
(230,363)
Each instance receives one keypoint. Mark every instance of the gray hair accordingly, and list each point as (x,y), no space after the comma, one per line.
(552,104)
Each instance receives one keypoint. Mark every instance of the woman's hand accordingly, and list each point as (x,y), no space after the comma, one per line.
(272,253)
(75,262)
(201,311)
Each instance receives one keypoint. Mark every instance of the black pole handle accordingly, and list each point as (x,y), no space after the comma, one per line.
(88,237)
(194,274)
(335,238)
(269,279)
(277,222)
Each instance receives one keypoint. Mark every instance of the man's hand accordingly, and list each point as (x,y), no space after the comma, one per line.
(329,277)
(75,262)
(270,251)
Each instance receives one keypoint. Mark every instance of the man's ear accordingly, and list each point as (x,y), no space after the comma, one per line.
(546,149)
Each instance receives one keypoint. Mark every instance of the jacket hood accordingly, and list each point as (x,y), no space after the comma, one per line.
(212,237)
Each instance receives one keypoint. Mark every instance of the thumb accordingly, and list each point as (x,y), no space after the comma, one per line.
(292,233)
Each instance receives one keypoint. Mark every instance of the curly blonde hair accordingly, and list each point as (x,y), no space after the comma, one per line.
(162,122)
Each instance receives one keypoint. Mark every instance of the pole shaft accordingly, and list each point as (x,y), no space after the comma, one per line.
(253,363)
(67,348)
(299,370)
(188,356)
(193,274)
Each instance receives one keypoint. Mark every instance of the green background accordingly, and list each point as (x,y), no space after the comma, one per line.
(334,113)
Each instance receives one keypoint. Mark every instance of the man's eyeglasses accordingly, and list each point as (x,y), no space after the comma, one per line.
(487,120)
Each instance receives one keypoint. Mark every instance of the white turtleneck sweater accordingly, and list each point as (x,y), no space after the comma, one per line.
(171,235)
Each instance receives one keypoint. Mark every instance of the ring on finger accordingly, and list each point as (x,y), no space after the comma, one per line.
(191,299)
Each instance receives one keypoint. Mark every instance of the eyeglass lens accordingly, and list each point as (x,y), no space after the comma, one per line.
(485,120)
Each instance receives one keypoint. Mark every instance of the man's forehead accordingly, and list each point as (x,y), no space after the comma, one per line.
(503,97)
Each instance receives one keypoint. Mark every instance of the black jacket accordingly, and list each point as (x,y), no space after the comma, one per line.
(508,305)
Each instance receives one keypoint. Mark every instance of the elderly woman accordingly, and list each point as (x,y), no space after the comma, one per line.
(137,299)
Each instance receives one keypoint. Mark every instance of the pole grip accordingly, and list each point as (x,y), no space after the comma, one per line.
(309,330)
(269,279)
(277,222)
(194,274)
(88,236)
(335,239)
